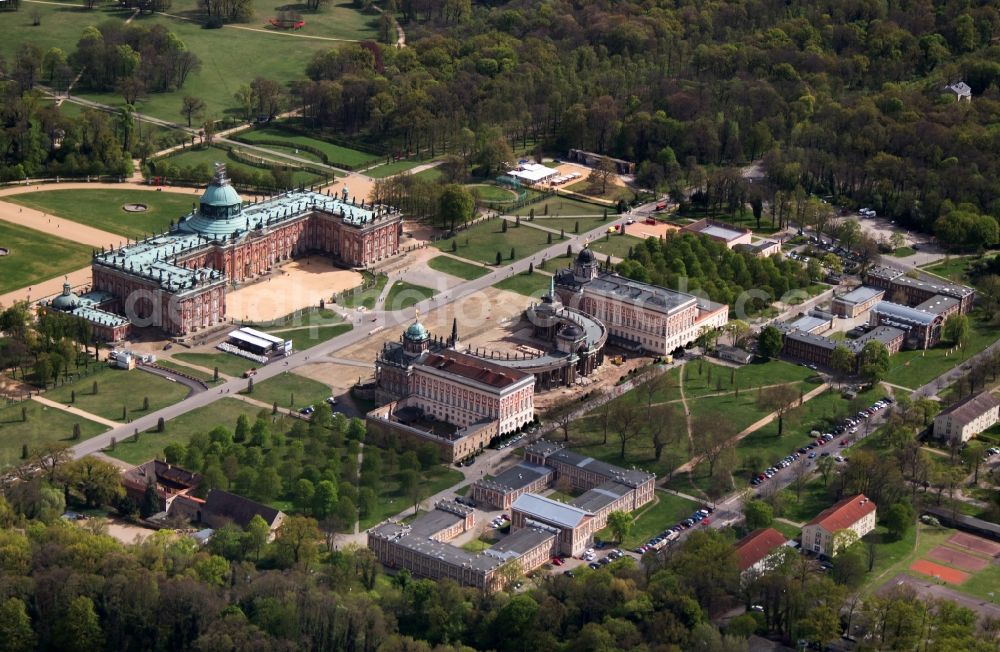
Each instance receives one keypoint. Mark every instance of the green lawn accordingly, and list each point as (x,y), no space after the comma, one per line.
(207,157)
(102,209)
(430,174)
(568,224)
(557,263)
(338,19)
(612,192)
(790,531)
(530,285)
(35,256)
(815,497)
(392,501)
(306,317)
(448,265)
(228,364)
(335,154)
(558,206)
(366,297)
(954,268)
(230,57)
(615,245)
(491,193)
(45,425)
(305,338)
(223,412)
(903,252)
(402,295)
(655,517)
(288,386)
(703,377)
(915,368)
(482,241)
(117,388)
(894,557)
(393,168)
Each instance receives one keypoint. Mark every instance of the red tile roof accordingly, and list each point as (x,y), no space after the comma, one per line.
(473,368)
(844,514)
(757,545)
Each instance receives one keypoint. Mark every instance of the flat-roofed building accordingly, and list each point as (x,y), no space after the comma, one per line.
(822,534)
(576,526)
(638,316)
(922,328)
(761,248)
(500,491)
(967,418)
(733,354)
(727,234)
(818,349)
(423,548)
(941,305)
(915,291)
(857,301)
(584,472)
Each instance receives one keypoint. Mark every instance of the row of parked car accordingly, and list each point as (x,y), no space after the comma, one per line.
(849,426)
(701,517)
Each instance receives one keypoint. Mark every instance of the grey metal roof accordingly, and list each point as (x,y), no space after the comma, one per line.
(549,511)
(720,232)
(599,497)
(648,296)
(883,334)
(808,323)
(516,477)
(938,303)
(903,313)
(632,477)
(809,338)
(518,543)
(860,295)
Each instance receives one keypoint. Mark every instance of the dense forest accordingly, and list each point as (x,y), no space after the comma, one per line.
(692,263)
(71,588)
(840,98)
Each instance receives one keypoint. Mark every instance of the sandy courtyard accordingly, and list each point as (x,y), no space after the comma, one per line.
(340,377)
(643,230)
(476,314)
(297,285)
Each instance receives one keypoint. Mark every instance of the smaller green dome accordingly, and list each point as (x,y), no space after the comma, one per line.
(416,331)
(67,300)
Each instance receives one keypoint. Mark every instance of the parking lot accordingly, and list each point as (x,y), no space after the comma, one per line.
(829,444)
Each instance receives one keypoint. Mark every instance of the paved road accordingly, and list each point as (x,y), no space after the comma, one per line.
(376,320)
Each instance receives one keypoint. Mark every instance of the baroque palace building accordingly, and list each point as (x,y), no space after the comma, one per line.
(177,280)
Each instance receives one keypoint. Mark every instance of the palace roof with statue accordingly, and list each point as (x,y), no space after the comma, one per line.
(223,219)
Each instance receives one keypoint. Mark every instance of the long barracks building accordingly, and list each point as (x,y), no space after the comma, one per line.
(177,280)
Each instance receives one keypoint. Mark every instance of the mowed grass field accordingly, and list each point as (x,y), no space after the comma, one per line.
(482,241)
(209,156)
(402,295)
(336,20)
(290,390)
(34,256)
(530,285)
(915,368)
(392,169)
(228,364)
(452,267)
(117,388)
(663,512)
(102,209)
(559,206)
(223,412)
(45,425)
(618,246)
(336,154)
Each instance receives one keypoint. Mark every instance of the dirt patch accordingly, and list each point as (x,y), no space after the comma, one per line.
(123,532)
(358,186)
(476,314)
(943,573)
(11,388)
(974,543)
(642,230)
(299,284)
(958,559)
(340,377)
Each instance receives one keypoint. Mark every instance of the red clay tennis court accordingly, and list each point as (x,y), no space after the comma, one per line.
(929,568)
(958,559)
(974,543)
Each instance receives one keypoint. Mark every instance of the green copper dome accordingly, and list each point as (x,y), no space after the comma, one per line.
(67,300)
(220,201)
(416,331)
